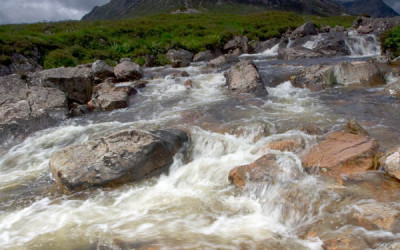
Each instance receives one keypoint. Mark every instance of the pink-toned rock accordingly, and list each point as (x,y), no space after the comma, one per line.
(376,216)
(342,153)
(290,145)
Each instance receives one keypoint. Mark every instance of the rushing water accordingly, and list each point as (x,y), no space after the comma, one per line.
(194,206)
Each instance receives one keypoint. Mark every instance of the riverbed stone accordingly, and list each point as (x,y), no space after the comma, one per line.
(245,78)
(109,101)
(180,57)
(286,145)
(128,71)
(391,164)
(342,153)
(75,82)
(125,156)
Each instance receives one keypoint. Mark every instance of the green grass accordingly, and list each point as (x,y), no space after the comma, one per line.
(71,43)
(390,42)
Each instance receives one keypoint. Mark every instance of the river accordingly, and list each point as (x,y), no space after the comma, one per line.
(194,206)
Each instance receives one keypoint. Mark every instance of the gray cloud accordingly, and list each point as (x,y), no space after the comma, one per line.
(29,11)
(395,4)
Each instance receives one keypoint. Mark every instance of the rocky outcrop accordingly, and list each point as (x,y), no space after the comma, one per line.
(125,156)
(76,83)
(25,109)
(19,64)
(377,26)
(346,152)
(102,70)
(244,78)
(318,77)
(290,145)
(127,70)
(180,57)
(238,45)
(307,29)
(108,97)
(391,164)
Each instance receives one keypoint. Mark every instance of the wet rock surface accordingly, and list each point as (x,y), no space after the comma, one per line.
(25,109)
(180,58)
(76,83)
(128,71)
(391,164)
(342,153)
(125,156)
(244,78)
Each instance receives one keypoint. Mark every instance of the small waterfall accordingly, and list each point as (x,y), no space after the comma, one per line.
(363,45)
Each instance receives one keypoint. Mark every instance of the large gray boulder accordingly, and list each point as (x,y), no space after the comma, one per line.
(204,56)
(76,82)
(244,78)
(128,71)
(108,97)
(25,109)
(125,156)
(102,70)
(180,57)
(377,26)
(307,29)
(265,45)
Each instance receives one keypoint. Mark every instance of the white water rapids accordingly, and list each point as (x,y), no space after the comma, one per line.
(193,206)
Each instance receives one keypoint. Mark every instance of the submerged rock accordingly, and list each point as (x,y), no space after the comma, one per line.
(262,170)
(76,83)
(377,216)
(180,57)
(342,153)
(128,71)
(125,156)
(244,78)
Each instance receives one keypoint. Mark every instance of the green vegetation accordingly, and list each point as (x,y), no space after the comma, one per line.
(72,43)
(390,42)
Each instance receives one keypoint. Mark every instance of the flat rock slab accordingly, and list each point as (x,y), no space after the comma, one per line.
(126,156)
(342,153)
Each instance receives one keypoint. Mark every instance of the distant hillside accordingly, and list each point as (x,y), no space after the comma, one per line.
(118,9)
(375,8)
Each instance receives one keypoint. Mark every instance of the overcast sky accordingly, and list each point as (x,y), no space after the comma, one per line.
(29,11)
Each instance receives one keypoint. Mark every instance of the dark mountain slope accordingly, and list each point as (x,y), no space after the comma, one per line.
(375,8)
(118,9)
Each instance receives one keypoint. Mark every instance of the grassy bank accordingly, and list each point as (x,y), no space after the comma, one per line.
(72,43)
(390,42)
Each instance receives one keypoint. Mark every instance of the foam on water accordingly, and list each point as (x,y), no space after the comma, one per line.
(194,198)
